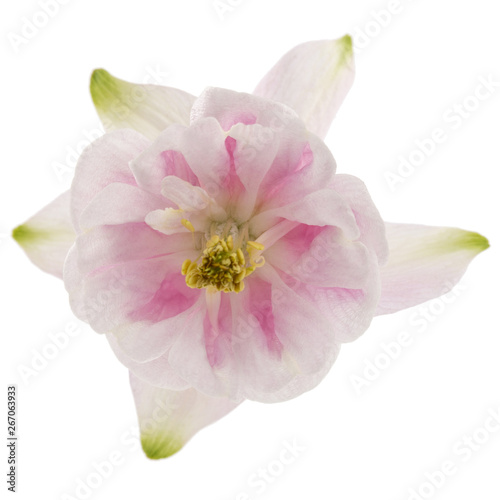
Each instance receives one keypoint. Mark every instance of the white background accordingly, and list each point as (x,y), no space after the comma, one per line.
(377,442)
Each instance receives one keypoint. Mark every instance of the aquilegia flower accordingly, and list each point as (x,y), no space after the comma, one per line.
(213,243)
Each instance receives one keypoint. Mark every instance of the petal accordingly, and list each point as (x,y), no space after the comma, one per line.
(148,109)
(156,372)
(105,161)
(189,357)
(324,207)
(371,225)
(293,176)
(424,262)
(162,159)
(254,152)
(196,154)
(168,419)
(118,204)
(230,107)
(322,257)
(48,235)
(313,79)
(107,246)
(143,341)
(260,363)
(307,336)
(190,198)
(203,146)
(349,310)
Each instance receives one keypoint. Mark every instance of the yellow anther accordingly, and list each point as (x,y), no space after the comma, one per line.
(185,267)
(241,257)
(213,241)
(254,244)
(222,267)
(187,225)
(239,276)
(192,281)
(192,267)
(249,271)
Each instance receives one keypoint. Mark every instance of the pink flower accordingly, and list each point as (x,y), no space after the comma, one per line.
(213,243)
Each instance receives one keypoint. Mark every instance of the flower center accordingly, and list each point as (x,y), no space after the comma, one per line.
(223,266)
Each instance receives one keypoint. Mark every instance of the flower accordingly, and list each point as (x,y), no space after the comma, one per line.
(213,243)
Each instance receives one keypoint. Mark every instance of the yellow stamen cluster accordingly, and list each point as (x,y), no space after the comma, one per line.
(222,266)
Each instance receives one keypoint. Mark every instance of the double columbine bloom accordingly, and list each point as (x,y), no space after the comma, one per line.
(213,243)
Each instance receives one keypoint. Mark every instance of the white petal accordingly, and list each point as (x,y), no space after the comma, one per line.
(119,203)
(190,198)
(424,262)
(48,235)
(168,419)
(324,207)
(313,79)
(148,109)
(104,162)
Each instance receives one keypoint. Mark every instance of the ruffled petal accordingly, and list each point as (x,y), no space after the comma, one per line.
(161,159)
(324,207)
(299,170)
(108,246)
(48,235)
(368,219)
(424,262)
(148,109)
(104,162)
(230,107)
(322,257)
(254,150)
(168,419)
(151,289)
(118,204)
(306,335)
(155,372)
(313,79)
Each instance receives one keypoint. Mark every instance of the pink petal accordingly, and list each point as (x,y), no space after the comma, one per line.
(105,161)
(161,159)
(117,204)
(321,257)
(307,336)
(190,359)
(368,219)
(204,148)
(252,158)
(324,207)
(105,246)
(156,372)
(230,108)
(349,310)
(131,291)
(298,170)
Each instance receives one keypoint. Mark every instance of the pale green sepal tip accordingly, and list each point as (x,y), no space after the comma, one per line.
(473,241)
(346,43)
(24,235)
(156,447)
(104,88)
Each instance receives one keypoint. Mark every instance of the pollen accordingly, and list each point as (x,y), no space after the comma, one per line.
(223,266)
